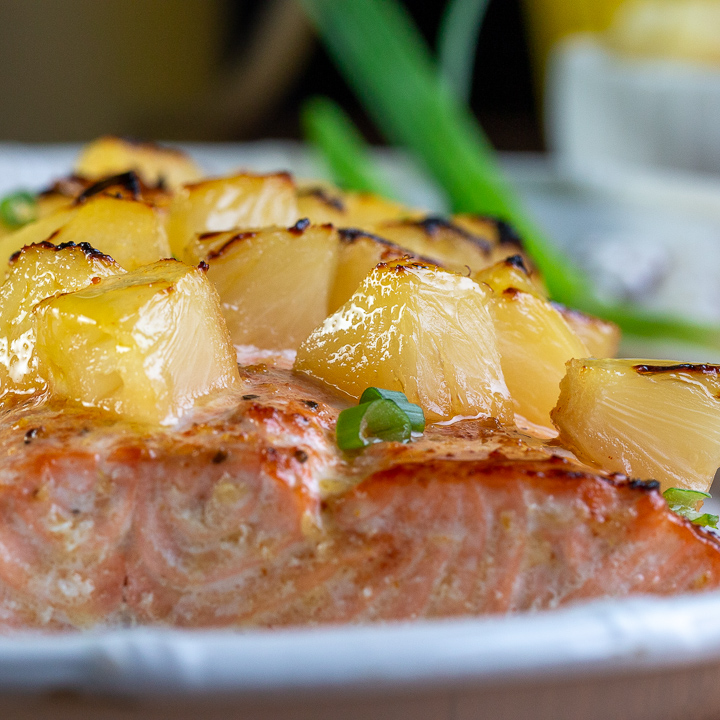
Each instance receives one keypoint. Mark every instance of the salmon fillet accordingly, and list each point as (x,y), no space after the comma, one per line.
(247,515)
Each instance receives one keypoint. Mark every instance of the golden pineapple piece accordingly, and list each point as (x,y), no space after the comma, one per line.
(155,164)
(38,272)
(66,190)
(35,232)
(49,202)
(367,209)
(534,340)
(320,205)
(511,272)
(358,254)
(144,345)
(415,328)
(230,203)
(437,238)
(362,210)
(601,337)
(648,419)
(274,284)
(130,231)
(504,240)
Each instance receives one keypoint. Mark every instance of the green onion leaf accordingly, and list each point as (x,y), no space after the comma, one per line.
(18,209)
(457,39)
(685,502)
(706,520)
(376,421)
(414,412)
(328,128)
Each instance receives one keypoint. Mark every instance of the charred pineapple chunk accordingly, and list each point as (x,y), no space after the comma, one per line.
(362,210)
(34,232)
(155,164)
(144,345)
(434,237)
(230,203)
(36,273)
(601,337)
(130,231)
(534,340)
(648,419)
(503,239)
(274,284)
(418,329)
(359,252)
(511,272)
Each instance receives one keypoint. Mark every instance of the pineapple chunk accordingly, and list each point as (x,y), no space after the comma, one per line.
(130,231)
(230,203)
(144,345)
(359,253)
(274,284)
(601,338)
(326,204)
(437,238)
(34,232)
(649,419)
(156,165)
(503,239)
(38,272)
(415,328)
(511,272)
(65,191)
(534,340)
(322,205)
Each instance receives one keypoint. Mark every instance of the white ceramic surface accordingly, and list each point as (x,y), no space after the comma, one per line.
(633,112)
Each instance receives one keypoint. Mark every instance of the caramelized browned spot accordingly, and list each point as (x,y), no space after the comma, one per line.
(679,367)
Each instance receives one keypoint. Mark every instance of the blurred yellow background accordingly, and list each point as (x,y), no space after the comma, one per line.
(552,20)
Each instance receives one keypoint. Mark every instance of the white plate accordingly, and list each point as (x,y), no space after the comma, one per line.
(639,658)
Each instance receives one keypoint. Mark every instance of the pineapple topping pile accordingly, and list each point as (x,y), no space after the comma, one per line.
(132,285)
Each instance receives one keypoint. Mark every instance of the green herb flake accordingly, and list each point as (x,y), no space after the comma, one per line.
(685,502)
(377,421)
(18,209)
(414,412)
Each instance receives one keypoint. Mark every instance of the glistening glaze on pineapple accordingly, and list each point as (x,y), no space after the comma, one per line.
(533,339)
(274,284)
(649,419)
(415,328)
(37,272)
(242,201)
(144,345)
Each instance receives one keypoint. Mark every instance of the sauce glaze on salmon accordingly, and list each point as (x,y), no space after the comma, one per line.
(247,515)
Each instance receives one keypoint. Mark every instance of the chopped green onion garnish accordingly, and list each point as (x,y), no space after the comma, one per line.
(376,421)
(706,520)
(18,209)
(414,412)
(684,502)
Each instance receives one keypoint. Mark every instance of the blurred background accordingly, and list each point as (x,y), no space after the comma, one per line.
(215,70)
(606,112)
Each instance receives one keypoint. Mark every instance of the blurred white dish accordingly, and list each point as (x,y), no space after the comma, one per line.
(629,660)
(636,113)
